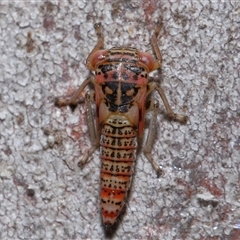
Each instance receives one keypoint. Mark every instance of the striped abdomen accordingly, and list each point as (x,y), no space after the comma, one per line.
(118,152)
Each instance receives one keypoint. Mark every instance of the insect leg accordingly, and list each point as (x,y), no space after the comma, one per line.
(178,117)
(154,43)
(75,98)
(91,127)
(171,114)
(149,143)
(99,45)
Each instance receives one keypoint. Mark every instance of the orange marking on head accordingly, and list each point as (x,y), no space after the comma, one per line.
(148,61)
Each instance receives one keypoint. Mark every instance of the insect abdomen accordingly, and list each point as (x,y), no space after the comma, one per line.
(118,154)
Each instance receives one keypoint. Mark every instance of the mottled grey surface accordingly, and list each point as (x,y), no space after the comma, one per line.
(43,47)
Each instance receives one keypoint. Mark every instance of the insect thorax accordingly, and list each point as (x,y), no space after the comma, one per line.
(121,76)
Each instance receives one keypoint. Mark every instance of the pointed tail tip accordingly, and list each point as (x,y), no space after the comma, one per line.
(108,226)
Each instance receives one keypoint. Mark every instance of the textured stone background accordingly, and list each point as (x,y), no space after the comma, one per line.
(44,195)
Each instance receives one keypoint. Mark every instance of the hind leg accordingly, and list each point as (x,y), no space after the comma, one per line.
(150,138)
(91,128)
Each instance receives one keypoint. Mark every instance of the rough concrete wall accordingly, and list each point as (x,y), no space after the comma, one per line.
(44,195)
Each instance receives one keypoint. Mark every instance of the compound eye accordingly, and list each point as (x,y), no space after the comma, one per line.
(95,58)
(148,61)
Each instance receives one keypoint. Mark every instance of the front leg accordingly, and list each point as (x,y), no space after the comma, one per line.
(99,45)
(154,85)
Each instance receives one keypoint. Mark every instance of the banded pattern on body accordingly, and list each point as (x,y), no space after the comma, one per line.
(118,153)
(121,91)
(120,84)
